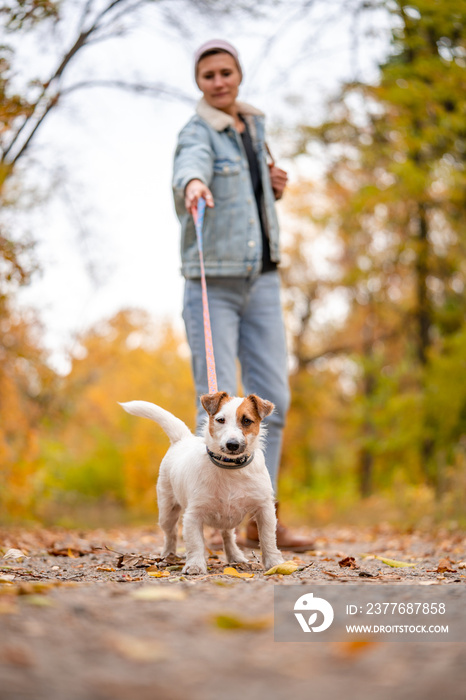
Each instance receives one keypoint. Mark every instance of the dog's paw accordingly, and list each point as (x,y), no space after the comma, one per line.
(270,562)
(237,558)
(194,568)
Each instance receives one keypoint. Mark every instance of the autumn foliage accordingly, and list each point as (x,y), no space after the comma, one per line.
(79,447)
(374,280)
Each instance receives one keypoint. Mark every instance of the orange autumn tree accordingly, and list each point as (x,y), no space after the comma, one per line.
(98,453)
(26,393)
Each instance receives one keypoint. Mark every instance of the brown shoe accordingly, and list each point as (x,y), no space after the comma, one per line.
(285,538)
(214,540)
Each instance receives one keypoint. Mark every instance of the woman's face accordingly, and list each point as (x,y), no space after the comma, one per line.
(218,78)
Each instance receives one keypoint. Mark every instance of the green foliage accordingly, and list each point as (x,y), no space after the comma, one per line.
(394,197)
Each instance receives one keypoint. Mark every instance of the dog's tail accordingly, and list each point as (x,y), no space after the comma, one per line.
(173,426)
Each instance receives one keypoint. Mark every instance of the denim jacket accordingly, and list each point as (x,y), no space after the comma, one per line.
(211,150)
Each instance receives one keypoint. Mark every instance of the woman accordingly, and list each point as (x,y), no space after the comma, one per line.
(222,156)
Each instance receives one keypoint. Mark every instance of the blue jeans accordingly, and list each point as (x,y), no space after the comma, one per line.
(247,324)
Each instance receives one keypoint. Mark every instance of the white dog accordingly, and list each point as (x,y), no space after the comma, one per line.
(216,479)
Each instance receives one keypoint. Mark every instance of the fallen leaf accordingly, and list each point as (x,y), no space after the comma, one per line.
(393,562)
(7,578)
(134,561)
(138,649)
(28,588)
(100,568)
(231,571)
(285,568)
(158,593)
(349,562)
(39,601)
(443,566)
(72,552)
(15,554)
(461,565)
(158,574)
(355,647)
(229,621)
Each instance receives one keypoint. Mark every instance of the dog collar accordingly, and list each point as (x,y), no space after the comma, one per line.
(230,462)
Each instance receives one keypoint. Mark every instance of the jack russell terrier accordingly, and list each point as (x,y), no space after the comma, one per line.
(215,479)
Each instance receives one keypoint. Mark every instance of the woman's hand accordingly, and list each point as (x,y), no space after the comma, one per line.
(195,189)
(278,180)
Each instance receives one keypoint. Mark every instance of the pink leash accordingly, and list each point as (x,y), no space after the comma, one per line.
(198,216)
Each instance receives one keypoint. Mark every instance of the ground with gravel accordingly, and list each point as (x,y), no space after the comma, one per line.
(99,615)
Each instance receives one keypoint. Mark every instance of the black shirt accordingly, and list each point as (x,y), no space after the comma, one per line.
(256,181)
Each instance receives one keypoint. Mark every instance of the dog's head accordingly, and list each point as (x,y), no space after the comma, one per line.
(234,424)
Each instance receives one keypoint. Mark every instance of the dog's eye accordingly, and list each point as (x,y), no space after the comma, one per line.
(220,420)
(246,421)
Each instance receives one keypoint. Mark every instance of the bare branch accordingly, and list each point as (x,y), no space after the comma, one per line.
(84,15)
(146,88)
(51,103)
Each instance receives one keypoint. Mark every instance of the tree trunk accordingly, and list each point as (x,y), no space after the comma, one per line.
(424,316)
(424,325)
(366,458)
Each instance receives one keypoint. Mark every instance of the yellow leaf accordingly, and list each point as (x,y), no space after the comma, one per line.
(228,621)
(158,574)
(40,601)
(102,568)
(158,593)
(231,571)
(393,562)
(287,567)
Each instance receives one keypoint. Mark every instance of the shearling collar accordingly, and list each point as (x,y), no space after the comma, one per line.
(219,120)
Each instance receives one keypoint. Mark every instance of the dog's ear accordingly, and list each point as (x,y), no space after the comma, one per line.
(211,402)
(264,408)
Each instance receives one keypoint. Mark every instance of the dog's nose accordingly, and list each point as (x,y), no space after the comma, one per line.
(232,445)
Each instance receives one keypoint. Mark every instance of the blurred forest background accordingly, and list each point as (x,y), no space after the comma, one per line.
(377,427)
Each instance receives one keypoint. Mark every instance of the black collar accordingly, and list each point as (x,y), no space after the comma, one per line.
(230,462)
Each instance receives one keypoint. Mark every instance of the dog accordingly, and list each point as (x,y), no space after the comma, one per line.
(215,479)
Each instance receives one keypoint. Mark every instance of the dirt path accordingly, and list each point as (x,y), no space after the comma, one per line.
(88,616)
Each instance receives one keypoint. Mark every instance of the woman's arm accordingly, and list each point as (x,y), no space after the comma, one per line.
(193,166)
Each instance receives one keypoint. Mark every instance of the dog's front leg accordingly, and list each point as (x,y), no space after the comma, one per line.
(232,552)
(193,536)
(267,526)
